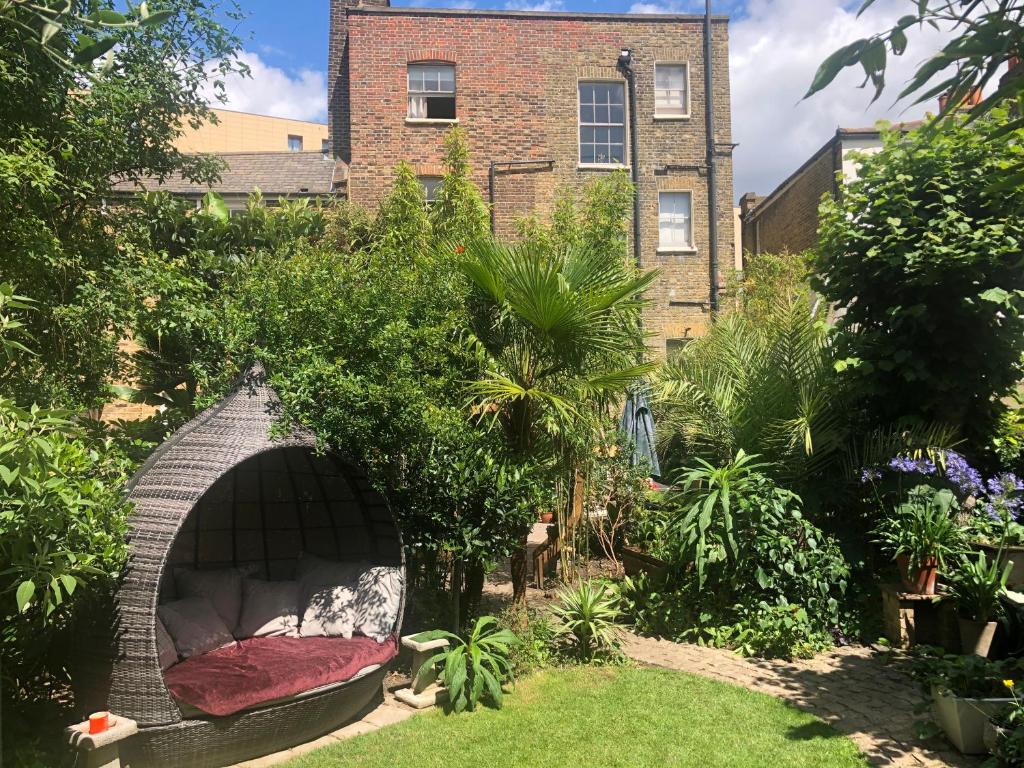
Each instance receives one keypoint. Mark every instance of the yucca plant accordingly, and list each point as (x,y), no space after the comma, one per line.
(588,614)
(474,668)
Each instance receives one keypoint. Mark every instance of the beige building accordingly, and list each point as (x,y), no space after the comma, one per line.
(246,132)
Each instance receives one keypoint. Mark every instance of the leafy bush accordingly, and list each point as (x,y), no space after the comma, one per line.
(775,590)
(586,615)
(62,529)
(472,669)
(538,640)
(923,256)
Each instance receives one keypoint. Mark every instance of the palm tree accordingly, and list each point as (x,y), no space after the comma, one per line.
(559,336)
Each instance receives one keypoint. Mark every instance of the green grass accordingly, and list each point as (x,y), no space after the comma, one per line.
(605,718)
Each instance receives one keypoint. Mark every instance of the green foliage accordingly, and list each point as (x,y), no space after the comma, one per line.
(62,527)
(985,36)
(705,527)
(771,279)
(402,226)
(49,25)
(473,669)
(61,149)
(458,213)
(587,615)
(1009,747)
(923,527)
(779,592)
(924,260)
(597,219)
(764,384)
(969,677)
(538,641)
(978,585)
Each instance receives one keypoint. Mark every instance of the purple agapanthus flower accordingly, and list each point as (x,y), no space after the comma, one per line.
(912,466)
(870,475)
(963,475)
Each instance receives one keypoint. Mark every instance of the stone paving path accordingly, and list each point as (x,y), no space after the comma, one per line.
(850,688)
(388,713)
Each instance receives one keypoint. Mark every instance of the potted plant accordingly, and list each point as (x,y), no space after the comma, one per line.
(647,541)
(997,532)
(965,692)
(921,533)
(1004,731)
(976,589)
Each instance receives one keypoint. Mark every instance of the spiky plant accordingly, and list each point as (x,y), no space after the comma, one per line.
(587,614)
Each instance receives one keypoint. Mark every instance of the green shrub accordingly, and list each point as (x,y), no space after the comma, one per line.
(473,668)
(62,534)
(775,590)
(538,646)
(923,258)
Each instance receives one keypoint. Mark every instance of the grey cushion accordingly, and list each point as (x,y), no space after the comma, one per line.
(223,588)
(328,591)
(165,646)
(195,626)
(380,597)
(269,609)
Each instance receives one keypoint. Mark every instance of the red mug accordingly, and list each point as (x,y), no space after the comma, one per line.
(99,722)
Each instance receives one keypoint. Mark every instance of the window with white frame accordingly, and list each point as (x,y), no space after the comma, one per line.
(430,186)
(671,90)
(602,123)
(294,143)
(675,220)
(432,91)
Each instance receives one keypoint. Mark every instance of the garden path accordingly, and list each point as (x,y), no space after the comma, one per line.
(850,688)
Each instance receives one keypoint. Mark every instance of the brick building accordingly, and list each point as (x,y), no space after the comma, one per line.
(787,219)
(546,102)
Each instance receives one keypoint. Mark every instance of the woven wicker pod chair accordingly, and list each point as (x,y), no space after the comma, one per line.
(225,492)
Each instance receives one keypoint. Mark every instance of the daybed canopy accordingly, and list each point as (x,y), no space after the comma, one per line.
(223,492)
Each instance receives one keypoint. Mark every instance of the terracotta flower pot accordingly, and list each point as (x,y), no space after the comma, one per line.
(547,517)
(920,580)
(976,636)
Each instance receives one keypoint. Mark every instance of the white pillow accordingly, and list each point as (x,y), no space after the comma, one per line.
(195,626)
(269,609)
(223,588)
(165,647)
(328,595)
(330,611)
(380,595)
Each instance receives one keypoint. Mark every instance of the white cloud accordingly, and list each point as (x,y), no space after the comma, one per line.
(542,5)
(775,49)
(301,95)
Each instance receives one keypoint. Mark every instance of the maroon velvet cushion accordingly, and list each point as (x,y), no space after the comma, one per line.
(261,669)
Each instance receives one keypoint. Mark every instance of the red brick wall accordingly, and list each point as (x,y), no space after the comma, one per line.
(516,86)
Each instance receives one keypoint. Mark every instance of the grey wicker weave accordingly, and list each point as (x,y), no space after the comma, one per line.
(224,491)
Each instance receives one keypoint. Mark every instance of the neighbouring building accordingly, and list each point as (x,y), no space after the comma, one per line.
(545,101)
(787,219)
(247,132)
(275,174)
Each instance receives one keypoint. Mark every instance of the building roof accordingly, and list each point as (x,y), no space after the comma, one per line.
(298,174)
(872,132)
(579,16)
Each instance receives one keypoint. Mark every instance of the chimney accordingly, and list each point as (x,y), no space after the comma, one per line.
(972,99)
(748,202)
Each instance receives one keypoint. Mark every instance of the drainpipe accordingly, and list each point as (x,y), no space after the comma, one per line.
(709,130)
(626,65)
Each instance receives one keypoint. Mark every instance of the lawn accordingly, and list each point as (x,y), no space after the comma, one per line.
(608,717)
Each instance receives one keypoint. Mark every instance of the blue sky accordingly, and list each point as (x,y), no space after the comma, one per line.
(775,47)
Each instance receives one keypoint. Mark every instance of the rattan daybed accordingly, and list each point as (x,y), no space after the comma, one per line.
(224,492)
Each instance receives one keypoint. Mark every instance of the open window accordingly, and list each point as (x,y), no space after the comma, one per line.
(431,91)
